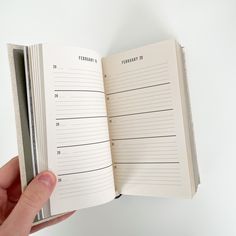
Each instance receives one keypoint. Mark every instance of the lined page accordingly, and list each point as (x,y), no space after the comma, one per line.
(146,123)
(77,128)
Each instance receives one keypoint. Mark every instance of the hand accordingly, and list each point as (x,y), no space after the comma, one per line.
(17,209)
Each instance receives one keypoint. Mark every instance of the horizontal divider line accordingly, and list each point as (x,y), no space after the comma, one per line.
(85,144)
(128,90)
(77,90)
(140,113)
(155,162)
(163,136)
(87,171)
(80,117)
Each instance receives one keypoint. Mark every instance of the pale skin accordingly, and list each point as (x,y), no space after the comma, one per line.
(17,209)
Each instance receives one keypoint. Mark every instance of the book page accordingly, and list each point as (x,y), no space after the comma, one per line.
(146,125)
(78,143)
(17,69)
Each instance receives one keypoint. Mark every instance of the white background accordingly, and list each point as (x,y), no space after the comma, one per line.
(207,30)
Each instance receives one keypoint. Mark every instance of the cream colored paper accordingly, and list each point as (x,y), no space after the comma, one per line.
(146,122)
(77,131)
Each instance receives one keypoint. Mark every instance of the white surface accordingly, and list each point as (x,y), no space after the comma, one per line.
(207,30)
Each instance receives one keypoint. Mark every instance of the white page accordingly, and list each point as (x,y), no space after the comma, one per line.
(78,144)
(146,122)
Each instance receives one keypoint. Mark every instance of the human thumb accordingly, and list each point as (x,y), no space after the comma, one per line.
(31,201)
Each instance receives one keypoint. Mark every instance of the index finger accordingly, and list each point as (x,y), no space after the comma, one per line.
(9,172)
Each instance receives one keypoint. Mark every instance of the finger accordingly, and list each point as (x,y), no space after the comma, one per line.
(51,222)
(9,172)
(29,204)
(13,193)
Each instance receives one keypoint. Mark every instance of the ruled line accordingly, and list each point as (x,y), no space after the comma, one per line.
(142,68)
(80,117)
(73,73)
(128,90)
(87,171)
(163,136)
(85,144)
(139,113)
(151,162)
(72,68)
(77,90)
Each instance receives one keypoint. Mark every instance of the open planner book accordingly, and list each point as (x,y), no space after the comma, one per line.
(120,124)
